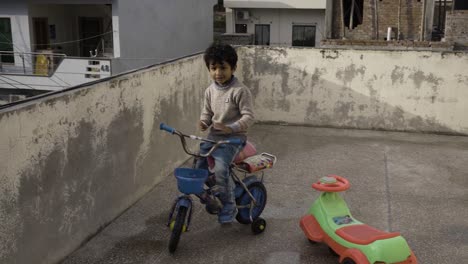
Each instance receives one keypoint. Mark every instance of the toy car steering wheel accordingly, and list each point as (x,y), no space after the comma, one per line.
(331,183)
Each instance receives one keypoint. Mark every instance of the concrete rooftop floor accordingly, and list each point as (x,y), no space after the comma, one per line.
(416,184)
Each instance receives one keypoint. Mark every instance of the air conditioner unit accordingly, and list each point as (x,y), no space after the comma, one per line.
(243,15)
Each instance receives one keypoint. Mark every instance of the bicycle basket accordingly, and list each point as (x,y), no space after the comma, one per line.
(190,181)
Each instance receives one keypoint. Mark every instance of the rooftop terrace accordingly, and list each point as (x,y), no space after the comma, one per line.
(74,160)
(415,184)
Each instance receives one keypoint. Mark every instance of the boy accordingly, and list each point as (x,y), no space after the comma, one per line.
(227,113)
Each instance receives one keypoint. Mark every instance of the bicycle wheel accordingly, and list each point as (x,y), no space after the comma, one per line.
(177,228)
(258,191)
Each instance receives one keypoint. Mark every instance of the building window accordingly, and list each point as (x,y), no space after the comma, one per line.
(262,35)
(303,36)
(461,5)
(6,41)
(241,28)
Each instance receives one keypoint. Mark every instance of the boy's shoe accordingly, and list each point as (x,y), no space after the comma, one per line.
(227,214)
(213,205)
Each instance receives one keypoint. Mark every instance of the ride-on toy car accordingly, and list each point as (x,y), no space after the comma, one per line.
(329,221)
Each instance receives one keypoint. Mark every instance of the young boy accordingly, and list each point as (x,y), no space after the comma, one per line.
(227,113)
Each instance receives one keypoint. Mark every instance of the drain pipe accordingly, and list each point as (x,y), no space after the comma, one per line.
(351,16)
(342,20)
(376,22)
(399,20)
(423,18)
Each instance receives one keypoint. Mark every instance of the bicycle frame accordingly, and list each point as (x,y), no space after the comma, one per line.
(246,189)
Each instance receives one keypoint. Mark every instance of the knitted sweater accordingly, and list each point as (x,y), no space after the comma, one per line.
(230,105)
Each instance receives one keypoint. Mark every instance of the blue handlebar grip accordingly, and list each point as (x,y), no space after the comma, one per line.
(236,141)
(167,128)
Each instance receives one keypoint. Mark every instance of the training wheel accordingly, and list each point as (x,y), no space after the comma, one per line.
(331,183)
(258,226)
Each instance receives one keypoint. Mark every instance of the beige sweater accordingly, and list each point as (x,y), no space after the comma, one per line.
(230,105)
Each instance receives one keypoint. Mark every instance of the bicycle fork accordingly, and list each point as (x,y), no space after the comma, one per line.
(181,201)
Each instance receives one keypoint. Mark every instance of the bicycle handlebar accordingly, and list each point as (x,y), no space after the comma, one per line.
(167,128)
(182,136)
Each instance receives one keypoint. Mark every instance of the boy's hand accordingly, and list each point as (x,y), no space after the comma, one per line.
(202,125)
(222,127)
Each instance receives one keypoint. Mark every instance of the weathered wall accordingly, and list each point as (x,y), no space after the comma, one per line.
(72,162)
(377,16)
(394,90)
(456,26)
(155,31)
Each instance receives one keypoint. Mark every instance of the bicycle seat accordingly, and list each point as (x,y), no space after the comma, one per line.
(363,234)
(248,151)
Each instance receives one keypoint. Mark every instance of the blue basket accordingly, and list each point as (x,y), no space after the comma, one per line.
(190,181)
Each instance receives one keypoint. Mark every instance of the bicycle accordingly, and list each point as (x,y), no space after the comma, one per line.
(250,192)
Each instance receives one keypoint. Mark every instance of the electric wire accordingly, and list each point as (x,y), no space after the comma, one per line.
(6,82)
(38,85)
(31,63)
(60,43)
(18,82)
(77,40)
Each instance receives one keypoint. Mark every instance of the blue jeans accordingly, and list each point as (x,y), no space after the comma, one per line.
(223,157)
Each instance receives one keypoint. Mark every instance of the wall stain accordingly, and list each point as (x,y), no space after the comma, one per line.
(398,75)
(349,73)
(316,76)
(419,77)
(330,54)
(343,110)
(312,110)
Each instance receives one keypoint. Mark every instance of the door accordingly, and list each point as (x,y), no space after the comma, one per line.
(6,41)
(90,33)
(41,32)
(262,34)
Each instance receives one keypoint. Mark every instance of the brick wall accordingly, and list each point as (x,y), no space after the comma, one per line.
(456,27)
(386,12)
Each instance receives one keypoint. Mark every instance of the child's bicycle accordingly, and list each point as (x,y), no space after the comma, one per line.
(250,193)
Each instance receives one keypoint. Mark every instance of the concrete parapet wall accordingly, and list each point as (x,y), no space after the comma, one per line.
(389,90)
(72,162)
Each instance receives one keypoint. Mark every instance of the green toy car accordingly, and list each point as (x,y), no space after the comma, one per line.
(329,221)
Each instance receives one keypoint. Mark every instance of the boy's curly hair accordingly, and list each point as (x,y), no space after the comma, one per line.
(217,53)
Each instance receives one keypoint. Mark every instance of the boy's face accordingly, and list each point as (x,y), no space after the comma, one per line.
(221,73)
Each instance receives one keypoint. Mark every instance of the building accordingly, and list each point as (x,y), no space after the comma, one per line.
(407,22)
(283,23)
(54,44)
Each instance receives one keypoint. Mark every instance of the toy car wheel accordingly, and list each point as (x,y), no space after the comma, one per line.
(312,242)
(258,191)
(258,226)
(348,261)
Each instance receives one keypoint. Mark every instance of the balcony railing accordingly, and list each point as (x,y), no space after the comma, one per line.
(30,63)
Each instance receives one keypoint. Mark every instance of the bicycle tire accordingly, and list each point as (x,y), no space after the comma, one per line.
(259,192)
(177,230)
